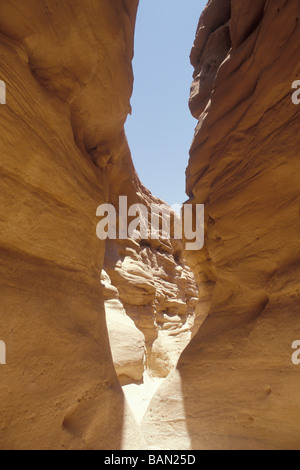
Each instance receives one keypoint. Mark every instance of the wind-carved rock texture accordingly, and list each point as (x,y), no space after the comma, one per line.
(67,69)
(152,285)
(235,385)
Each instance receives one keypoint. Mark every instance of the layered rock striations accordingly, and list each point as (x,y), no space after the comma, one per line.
(235,386)
(68,76)
(158,293)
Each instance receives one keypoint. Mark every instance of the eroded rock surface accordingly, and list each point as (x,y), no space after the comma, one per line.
(159,294)
(68,76)
(235,386)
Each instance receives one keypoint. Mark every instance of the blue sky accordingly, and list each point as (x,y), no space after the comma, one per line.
(161,128)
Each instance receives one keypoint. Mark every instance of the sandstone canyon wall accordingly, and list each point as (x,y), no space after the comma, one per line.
(235,386)
(68,75)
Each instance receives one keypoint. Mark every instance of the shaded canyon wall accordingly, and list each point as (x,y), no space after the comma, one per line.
(68,75)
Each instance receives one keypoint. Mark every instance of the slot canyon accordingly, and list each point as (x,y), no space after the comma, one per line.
(140,344)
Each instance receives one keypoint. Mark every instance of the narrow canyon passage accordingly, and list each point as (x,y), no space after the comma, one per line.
(136,343)
(151,311)
(150,293)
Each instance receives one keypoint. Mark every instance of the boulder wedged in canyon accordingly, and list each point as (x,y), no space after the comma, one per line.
(67,70)
(235,386)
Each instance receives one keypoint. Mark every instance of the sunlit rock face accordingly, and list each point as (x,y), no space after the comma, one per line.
(68,76)
(158,294)
(151,308)
(235,385)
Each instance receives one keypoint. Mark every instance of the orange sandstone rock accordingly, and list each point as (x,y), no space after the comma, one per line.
(67,69)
